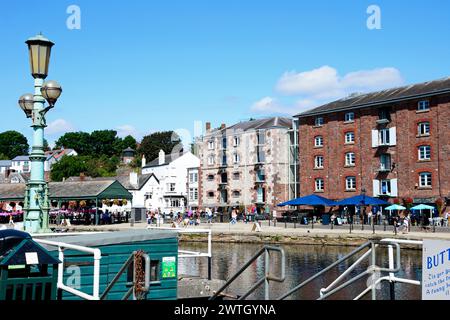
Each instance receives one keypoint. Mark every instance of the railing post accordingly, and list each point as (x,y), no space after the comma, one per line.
(391,275)
(267,273)
(374,260)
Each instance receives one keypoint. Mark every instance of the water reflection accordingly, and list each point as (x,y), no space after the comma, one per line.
(301,262)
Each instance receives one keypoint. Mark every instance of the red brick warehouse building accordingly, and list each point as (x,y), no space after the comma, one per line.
(393,143)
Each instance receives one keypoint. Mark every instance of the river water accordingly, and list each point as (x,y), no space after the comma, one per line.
(302,261)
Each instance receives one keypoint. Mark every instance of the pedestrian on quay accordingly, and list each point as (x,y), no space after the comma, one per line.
(233,216)
(209,214)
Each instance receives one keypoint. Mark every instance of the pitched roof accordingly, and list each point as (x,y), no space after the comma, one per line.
(414,91)
(167,159)
(71,190)
(5,163)
(262,124)
(21,158)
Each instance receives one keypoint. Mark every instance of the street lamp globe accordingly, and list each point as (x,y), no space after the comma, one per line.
(26,103)
(39,49)
(51,90)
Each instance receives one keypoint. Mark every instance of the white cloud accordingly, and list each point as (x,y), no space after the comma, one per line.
(59,126)
(318,86)
(325,82)
(126,129)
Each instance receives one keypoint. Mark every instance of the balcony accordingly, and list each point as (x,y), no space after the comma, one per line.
(383,121)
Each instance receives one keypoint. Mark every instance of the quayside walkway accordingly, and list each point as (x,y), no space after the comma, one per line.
(281,233)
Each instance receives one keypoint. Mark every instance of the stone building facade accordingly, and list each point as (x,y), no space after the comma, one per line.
(393,143)
(246,164)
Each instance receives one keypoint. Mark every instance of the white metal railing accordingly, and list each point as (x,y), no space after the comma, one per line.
(193,254)
(390,278)
(97,256)
(187,253)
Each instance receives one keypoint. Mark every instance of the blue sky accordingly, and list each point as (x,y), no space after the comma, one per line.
(141,66)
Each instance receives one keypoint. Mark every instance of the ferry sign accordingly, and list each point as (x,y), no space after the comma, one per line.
(436,270)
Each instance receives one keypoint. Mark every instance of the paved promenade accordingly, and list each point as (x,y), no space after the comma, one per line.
(280,233)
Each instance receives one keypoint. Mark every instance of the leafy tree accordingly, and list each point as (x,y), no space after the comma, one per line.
(73,166)
(3,157)
(46,147)
(69,166)
(79,141)
(103,141)
(129,142)
(13,144)
(151,144)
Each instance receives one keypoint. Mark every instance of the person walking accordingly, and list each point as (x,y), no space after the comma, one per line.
(233,216)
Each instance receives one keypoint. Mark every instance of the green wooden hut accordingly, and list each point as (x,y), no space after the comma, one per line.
(116,248)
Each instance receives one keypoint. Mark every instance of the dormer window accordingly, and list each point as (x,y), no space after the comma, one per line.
(384,114)
(319,121)
(423,105)
(349,117)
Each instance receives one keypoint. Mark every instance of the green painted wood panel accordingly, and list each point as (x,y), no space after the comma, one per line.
(113,257)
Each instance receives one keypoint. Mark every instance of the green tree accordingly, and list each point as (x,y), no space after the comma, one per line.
(79,141)
(46,147)
(151,144)
(103,142)
(73,166)
(13,144)
(69,167)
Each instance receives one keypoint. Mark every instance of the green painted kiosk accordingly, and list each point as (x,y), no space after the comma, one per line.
(116,277)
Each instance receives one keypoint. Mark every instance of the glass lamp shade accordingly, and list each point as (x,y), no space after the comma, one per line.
(51,90)
(39,49)
(26,103)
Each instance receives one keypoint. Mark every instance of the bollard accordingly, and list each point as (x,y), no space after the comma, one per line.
(384,223)
(295,223)
(285,222)
(373,226)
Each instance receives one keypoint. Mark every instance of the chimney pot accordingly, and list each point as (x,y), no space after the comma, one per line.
(208,126)
(162,157)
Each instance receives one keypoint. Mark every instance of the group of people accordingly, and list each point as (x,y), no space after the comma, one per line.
(185,218)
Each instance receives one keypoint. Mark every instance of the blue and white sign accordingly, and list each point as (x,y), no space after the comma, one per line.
(436,270)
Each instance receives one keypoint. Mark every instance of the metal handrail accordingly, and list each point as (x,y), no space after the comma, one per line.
(267,276)
(351,254)
(96,279)
(192,254)
(324,293)
(122,270)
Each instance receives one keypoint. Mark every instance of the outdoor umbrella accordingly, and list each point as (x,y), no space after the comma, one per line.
(421,207)
(361,200)
(311,200)
(395,207)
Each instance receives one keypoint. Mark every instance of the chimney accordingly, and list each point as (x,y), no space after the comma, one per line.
(208,126)
(222,126)
(162,157)
(134,179)
(143,162)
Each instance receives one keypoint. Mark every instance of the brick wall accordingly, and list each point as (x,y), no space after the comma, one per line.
(404,155)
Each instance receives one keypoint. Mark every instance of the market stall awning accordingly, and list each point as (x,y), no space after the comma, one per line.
(77,190)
